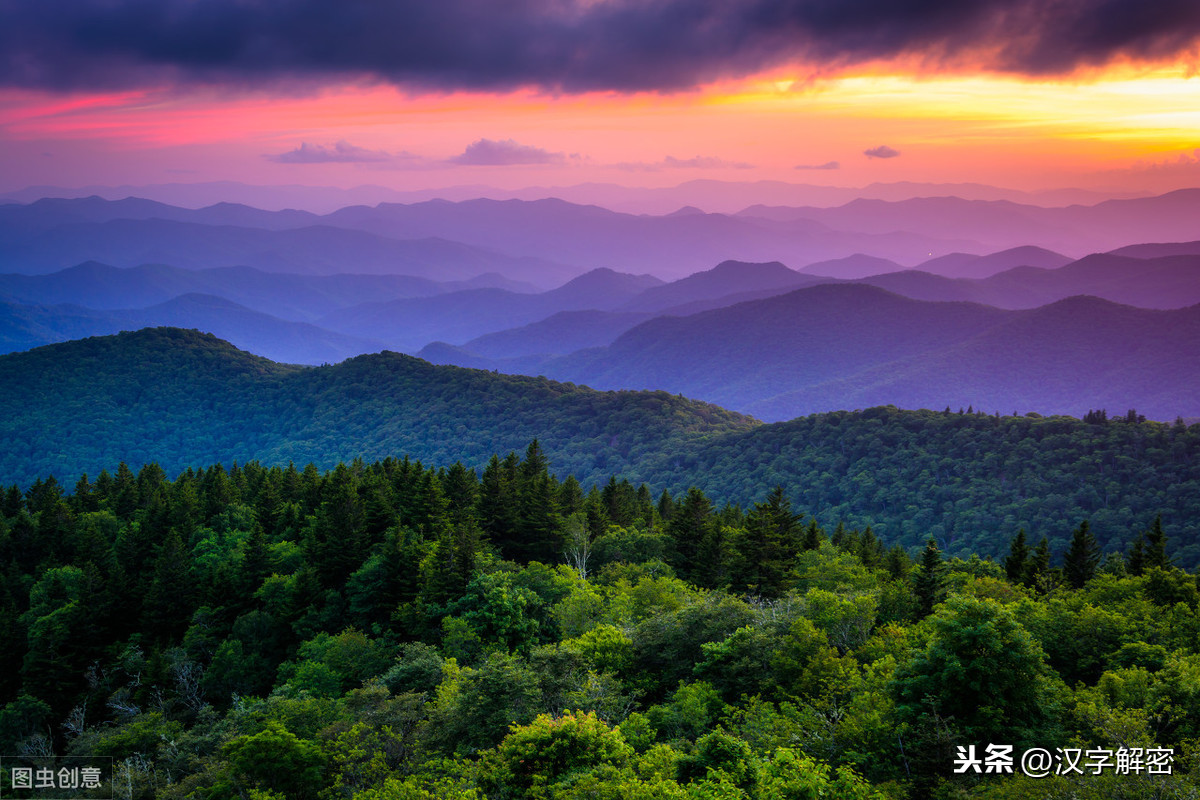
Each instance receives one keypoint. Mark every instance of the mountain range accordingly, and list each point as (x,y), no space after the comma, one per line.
(182,399)
(852,346)
(711,195)
(547,241)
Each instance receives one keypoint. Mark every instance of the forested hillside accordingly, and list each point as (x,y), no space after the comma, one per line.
(178,398)
(388,630)
(967,478)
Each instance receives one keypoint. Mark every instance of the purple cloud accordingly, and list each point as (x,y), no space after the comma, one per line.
(671,162)
(826,165)
(487,152)
(341,153)
(883,151)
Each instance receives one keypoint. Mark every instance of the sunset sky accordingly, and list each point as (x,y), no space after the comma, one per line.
(1028,94)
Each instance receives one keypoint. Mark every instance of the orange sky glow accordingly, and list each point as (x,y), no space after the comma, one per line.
(1128,129)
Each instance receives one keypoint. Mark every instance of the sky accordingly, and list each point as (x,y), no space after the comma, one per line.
(1024,94)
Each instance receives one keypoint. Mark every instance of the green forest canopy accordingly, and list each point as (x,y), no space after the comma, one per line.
(388,630)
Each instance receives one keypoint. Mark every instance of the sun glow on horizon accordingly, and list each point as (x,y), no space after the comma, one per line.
(980,127)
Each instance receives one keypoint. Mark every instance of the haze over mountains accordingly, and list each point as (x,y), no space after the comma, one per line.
(773,311)
(725,197)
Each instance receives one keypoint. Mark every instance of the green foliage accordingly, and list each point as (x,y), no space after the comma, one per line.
(208,633)
(983,673)
(89,405)
(534,757)
(929,581)
(277,760)
(792,776)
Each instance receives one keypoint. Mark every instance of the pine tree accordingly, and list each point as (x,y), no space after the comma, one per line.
(812,536)
(1137,556)
(620,501)
(772,539)
(929,581)
(839,536)
(1018,557)
(666,507)
(1038,565)
(167,605)
(897,563)
(870,549)
(498,503)
(538,521)
(1082,558)
(688,528)
(570,496)
(1156,546)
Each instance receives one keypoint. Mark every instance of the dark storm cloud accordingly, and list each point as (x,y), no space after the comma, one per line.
(563,45)
(883,151)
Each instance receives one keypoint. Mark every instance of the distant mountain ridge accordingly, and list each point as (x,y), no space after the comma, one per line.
(27,326)
(852,346)
(711,195)
(410,324)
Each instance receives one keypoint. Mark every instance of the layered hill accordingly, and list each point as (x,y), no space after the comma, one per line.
(314,250)
(546,240)
(1000,224)
(852,345)
(286,295)
(25,326)
(1149,281)
(456,317)
(970,480)
(180,398)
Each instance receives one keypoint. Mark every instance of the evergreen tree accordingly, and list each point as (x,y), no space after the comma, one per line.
(1137,556)
(1018,556)
(124,492)
(929,581)
(812,536)
(1156,546)
(13,502)
(770,544)
(337,541)
(620,502)
(688,528)
(168,602)
(897,563)
(840,535)
(498,508)
(461,489)
(666,507)
(870,549)
(1038,565)
(570,496)
(538,521)
(1082,558)
(83,500)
